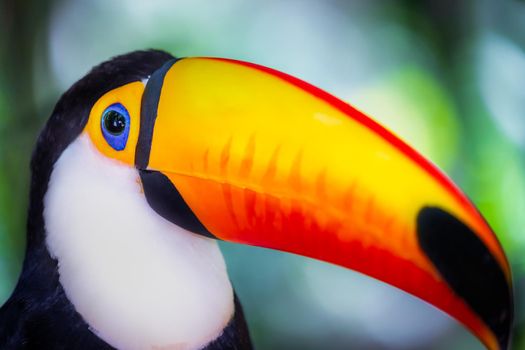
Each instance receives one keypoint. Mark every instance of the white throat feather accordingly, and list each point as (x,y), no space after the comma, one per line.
(139,281)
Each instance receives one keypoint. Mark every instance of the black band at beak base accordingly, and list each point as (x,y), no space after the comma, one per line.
(148,113)
(165,199)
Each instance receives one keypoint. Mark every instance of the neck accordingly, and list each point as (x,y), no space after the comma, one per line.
(138,281)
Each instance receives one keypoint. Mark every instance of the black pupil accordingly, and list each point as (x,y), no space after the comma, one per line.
(114,122)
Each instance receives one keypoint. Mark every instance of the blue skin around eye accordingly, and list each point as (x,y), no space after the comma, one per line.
(118,142)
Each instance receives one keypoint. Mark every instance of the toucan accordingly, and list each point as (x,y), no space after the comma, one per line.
(149,159)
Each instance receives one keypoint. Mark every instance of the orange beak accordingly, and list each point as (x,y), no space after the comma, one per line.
(258,157)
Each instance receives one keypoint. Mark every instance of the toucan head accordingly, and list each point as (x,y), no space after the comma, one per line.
(238,152)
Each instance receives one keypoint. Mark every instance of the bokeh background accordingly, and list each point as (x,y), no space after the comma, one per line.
(446,75)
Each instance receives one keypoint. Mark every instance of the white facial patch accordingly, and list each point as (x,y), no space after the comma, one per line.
(139,281)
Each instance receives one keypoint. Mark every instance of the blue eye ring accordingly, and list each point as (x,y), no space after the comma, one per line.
(115,123)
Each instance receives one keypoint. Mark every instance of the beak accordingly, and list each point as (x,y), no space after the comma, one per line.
(246,154)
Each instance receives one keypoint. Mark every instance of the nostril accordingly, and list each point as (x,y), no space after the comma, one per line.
(468,267)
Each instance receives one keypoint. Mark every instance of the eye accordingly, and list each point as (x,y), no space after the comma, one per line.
(115,126)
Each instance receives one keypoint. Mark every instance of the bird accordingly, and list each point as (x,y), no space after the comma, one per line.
(150,159)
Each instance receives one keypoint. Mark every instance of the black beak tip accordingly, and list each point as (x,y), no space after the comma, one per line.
(469,268)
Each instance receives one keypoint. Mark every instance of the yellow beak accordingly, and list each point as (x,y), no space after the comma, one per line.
(262,158)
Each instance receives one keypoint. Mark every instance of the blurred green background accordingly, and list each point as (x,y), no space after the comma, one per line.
(448,76)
